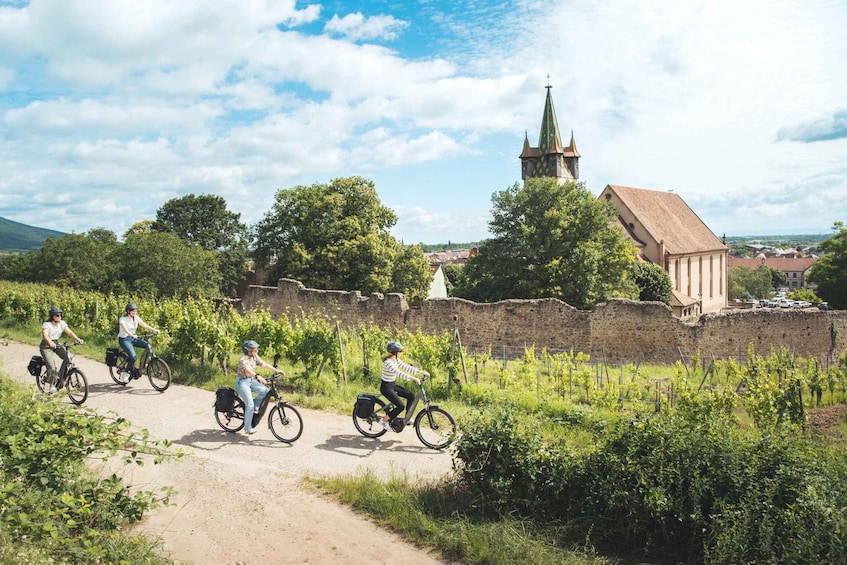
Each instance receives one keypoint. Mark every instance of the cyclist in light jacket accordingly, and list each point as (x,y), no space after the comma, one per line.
(392,368)
(248,381)
(51,330)
(128,337)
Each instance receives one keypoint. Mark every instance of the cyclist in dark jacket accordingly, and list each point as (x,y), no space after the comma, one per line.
(392,368)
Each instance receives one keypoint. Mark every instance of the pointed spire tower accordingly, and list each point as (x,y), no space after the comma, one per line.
(550,158)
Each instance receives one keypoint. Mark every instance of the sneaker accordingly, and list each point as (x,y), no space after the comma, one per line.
(250,432)
(386,426)
(52,389)
(124,378)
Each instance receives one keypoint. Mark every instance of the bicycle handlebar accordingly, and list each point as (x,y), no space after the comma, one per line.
(145,336)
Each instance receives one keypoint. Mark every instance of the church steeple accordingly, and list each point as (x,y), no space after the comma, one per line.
(551,158)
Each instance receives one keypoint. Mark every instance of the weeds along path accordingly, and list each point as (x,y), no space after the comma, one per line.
(239,498)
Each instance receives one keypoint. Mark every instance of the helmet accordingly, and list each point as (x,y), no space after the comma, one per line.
(55,310)
(131,306)
(394,347)
(249,345)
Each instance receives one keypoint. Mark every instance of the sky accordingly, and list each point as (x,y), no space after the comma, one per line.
(110,108)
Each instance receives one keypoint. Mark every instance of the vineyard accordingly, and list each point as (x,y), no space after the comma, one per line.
(774,386)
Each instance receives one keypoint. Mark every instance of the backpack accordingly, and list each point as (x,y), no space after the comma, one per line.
(224,399)
(112,356)
(35,365)
(365,405)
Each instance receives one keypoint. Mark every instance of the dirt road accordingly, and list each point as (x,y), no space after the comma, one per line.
(239,498)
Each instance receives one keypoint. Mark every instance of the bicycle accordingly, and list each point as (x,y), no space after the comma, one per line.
(154,366)
(435,427)
(69,376)
(284,420)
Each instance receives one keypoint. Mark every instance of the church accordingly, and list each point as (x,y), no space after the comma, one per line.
(665,229)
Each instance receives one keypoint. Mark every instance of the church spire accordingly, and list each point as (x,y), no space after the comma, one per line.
(551,158)
(549,137)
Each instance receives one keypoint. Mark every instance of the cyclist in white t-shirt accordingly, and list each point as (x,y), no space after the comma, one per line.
(128,338)
(51,330)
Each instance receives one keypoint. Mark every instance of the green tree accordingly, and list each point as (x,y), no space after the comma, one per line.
(411,273)
(745,282)
(830,271)
(161,263)
(653,282)
(452,274)
(335,236)
(81,261)
(550,240)
(778,278)
(206,221)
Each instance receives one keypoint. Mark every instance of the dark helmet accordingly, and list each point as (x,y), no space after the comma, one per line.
(55,310)
(131,306)
(249,345)
(394,347)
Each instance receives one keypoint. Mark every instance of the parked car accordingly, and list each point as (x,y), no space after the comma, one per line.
(802,304)
(824,306)
(786,303)
(773,303)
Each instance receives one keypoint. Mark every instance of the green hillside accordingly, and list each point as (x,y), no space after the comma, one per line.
(17,238)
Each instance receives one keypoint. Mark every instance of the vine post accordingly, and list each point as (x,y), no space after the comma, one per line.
(341,350)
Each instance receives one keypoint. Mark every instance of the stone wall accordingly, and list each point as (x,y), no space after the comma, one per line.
(619,330)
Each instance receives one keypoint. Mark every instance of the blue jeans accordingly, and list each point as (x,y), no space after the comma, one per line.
(128,344)
(245,387)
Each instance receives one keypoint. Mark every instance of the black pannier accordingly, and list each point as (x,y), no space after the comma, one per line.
(224,399)
(35,365)
(112,356)
(365,405)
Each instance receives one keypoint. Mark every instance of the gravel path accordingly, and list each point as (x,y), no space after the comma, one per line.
(239,498)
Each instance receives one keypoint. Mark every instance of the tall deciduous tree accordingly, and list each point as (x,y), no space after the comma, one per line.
(830,271)
(745,282)
(161,263)
(550,240)
(206,221)
(335,236)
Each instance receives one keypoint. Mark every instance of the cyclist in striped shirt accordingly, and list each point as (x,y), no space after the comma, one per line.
(392,368)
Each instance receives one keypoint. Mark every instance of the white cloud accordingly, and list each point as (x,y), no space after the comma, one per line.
(357,27)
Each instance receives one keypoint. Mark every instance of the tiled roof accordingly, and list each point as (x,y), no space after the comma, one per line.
(667,217)
(784,264)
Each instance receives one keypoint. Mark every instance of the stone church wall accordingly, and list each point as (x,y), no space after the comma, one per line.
(619,330)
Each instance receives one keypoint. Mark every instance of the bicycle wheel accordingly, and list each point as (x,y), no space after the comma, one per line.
(77,386)
(285,423)
(233,420)
(435,427)
(41,381)
(372,425)
(159,374)
(118,372)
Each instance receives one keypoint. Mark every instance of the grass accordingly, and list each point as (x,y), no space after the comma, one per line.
(436,516)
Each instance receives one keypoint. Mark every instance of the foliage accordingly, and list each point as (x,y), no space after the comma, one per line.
(830,271)
(335,236)
(159,263)
(806,294)
(205,221)
(550,240)
(745,282)
(648,482)
(50,498)
(82,261)
(652,280)
(452,275)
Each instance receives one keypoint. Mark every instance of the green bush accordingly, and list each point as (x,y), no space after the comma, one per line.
(50,500)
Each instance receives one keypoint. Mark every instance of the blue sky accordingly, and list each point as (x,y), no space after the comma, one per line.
(109,108)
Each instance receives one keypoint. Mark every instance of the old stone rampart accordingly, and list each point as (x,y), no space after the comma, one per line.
(619,330)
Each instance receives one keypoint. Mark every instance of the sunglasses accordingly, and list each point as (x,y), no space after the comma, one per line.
(57,314)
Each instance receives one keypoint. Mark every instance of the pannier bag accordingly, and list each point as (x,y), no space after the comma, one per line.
(224,399)
(365,405)
(112,356)
(35,365)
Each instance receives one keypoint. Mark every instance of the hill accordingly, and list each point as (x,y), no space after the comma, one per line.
(19,238)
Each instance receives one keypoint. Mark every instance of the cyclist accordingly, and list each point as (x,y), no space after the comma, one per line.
(51,330)
(392,367)
(128,338)
(248,381)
